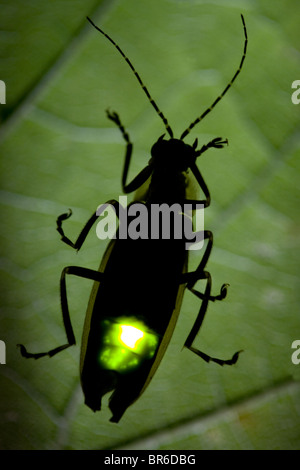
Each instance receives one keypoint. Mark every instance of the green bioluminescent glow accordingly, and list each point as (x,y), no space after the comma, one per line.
(130,335)
(126,343)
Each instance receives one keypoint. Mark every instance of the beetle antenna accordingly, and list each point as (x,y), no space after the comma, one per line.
(159,112)
(186,132)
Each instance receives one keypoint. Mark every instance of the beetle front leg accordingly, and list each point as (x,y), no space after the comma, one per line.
(113,116)
(144,174)
(217,143)
(214,143)
(76,271)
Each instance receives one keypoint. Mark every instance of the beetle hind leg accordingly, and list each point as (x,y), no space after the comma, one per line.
(50,353)
(76,271)
(221,362)
(206,297)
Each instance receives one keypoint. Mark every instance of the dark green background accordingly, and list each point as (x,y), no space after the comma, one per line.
(58,150)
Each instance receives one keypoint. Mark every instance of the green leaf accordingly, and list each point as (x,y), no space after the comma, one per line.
(58,150)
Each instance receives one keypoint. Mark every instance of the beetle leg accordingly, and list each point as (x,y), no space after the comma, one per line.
(197,325)
(113,116)
(215,143)
(192,277)
(50,353)
(140,179)
(203,186)
(144,174)
(84,232)
(221,296)
(76,271)
(221,362)
(213,298)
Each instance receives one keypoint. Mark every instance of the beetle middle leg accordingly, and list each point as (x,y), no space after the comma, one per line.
(192,277)
(84,232)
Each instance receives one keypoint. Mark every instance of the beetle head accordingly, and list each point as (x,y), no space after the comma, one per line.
(172,154)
